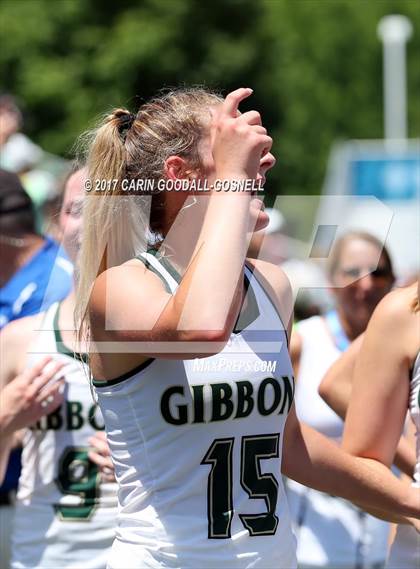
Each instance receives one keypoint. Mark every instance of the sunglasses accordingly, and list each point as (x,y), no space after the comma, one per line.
(359,272)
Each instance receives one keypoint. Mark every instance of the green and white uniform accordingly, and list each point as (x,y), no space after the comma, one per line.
(65,517)
(197,448)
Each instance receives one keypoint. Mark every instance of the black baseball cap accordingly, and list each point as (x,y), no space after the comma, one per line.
(13,197)
(17,212)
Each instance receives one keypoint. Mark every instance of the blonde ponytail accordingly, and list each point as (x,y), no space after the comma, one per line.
(114,224)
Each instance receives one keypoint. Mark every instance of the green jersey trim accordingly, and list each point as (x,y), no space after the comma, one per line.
(124,376)
(154,271)
(61,346)
(251,311)
(273,305)
(166,264)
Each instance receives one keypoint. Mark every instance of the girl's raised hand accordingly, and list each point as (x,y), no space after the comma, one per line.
(238,140)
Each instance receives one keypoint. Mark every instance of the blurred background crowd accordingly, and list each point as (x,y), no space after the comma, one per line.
(317,69)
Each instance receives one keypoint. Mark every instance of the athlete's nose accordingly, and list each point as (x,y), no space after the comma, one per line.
(267,162)
(366,283)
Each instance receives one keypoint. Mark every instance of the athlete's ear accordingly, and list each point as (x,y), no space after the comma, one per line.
(176,168)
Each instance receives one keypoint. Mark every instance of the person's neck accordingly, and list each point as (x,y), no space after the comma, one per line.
(351,329)
(15,253)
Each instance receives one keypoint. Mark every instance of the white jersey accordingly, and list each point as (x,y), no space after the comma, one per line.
(331,532)
(65,516)
(405,551)
(197,448)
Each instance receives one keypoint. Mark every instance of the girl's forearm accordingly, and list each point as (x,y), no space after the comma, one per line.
(315,461)
(217,265)
(386,516)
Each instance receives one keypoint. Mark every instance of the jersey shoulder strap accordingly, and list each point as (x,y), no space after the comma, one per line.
(161,266)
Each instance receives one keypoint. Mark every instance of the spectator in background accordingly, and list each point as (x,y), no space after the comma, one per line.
(38,171)
(332,532)
(275,245)
(67,484)
(17,153)
(34,273)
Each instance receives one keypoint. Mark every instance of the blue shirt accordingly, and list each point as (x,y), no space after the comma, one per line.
(46,278)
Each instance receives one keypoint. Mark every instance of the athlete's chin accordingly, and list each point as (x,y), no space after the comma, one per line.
(258,213)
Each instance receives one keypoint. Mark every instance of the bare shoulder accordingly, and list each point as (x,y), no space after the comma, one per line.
(132,288)
(395,323)
(395,309)
(15,339)
(273,274)
(277,286)
(125,284)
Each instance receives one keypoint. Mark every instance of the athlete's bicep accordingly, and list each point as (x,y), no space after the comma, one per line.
(379,399)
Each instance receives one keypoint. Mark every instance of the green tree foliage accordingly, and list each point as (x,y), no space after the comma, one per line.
(326,61)
(315,66)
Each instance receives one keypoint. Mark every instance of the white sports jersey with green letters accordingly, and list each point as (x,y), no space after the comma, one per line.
(65,516)
(197,448)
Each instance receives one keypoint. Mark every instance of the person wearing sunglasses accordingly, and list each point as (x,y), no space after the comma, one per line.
(330,531)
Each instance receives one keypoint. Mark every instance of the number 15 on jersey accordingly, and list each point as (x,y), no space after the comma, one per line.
(220,508)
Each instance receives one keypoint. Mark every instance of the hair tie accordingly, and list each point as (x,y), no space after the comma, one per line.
(125,122)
